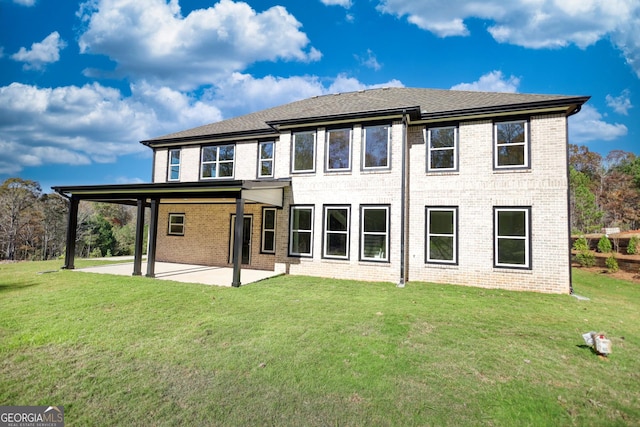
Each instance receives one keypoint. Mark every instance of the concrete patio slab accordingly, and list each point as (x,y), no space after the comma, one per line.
(188,273)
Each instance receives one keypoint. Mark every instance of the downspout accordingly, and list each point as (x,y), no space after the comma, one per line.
(403,199)
(574,111)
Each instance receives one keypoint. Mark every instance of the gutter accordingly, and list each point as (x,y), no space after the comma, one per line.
(403,199)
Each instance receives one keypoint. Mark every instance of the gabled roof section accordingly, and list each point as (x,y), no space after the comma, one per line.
(420,104)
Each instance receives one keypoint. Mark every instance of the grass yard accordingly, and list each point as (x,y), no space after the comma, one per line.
(299,351)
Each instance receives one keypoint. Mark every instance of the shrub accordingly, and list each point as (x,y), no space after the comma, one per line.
(581,244)
(604,245)
(586,258)
(634,245)
(612,264)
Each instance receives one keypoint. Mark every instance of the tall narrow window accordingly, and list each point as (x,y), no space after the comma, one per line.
(376,147)
(268,230)
(217,161)
(442,235)
(301,231)
(442,149)
(511,145)
(303,152)
(512,231)
(174,165)
(374,233)
(265,159)
(176,224)
(336,232)
(338,150)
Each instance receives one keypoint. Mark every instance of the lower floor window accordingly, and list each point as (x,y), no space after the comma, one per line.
(268,230)
(336,232)
(374,233)
(442,235)
(301,231)
(512,234)
(176,224)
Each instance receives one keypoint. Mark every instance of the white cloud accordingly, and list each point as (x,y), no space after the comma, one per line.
(493,81)
(80,125)
(588,125)
(344,3)
(151,38)
(45,52)
(532,23)
(25,2)
(620,104)
(369,60)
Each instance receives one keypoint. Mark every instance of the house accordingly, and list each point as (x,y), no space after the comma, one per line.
(390,184)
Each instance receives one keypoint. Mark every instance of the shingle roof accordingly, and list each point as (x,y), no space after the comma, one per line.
(425,102)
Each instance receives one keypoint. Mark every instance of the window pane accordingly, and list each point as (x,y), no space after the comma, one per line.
(375,246)
(375,220)
(209,154)
(376,139)
(176,219)
(302,219)
(443,137)
(337,244)
(174,157)
(512,251)
(269,219)
(442,159)
(226,152)
(226,169)
(339,149)
(301,242)
(512,223)
(441,222)
(175,172)
(266,168)
(511,155)
(441,248)
(266,150)
(209,170)
(268,244)
(303,151)
(509,133)
(337,219)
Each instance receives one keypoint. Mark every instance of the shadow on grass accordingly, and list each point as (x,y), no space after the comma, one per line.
(8,287)
(589,347)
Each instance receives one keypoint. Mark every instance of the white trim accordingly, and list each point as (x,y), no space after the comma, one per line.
(272,159)
(454,149)
(381,257)
(217,162)
(453,236)
(309,231)
(525,145)
(170,165)
(328,146)
(526,238)
(326,231)
(293,153)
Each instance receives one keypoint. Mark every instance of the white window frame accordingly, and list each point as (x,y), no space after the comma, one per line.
(326,232)
(217,162)
(266,230)
(453,235)
(293,231)
(293,152)
(170,165)
(453,149)
(364,148)
(262,160)
(328,167)
(180,225)
(525,146)
(526,238)
(363,233)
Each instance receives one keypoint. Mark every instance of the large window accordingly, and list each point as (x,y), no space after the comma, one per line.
(442,235)
(268,230)
(336,232)
(265,159)
(176,224)
(303,158)
(174,165)
(442,149)
(217,161)
(512,232)
(511,145)
(338,150)
(376,147)
(374,233)
(301,231)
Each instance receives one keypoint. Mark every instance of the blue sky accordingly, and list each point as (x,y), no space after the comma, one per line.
(81,83)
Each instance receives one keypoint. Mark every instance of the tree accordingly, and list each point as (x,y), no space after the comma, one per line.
(55,209)
(18,200)
(586,216)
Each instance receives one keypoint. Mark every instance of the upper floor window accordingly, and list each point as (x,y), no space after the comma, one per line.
(511,148)
(374,233)
(442,149)
(265,159)
(303,153)
(376,147)
(174,165)
(442,235)
(338,150)
(512,237)
(217,161)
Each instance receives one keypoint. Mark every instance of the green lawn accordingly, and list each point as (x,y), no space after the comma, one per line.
(299,351)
